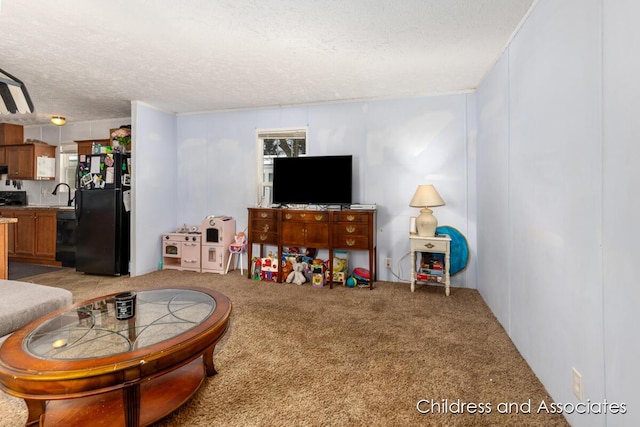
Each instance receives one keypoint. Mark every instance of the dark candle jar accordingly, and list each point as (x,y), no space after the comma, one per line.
(125,305)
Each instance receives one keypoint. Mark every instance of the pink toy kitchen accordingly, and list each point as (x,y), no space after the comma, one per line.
(202,248)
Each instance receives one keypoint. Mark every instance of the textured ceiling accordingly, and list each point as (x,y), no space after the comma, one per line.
(87,60)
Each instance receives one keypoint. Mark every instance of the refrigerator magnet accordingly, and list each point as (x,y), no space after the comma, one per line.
(109,176)
(85,181)
(95,164)
(108,160)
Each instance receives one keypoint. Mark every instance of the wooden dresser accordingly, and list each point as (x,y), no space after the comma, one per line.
(319,229)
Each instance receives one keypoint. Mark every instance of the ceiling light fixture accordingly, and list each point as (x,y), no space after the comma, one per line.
(58,120)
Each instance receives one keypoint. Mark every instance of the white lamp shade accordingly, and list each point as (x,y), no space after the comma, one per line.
(426,196)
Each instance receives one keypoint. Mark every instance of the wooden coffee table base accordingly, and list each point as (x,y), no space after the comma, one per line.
(131,372)
(158,398)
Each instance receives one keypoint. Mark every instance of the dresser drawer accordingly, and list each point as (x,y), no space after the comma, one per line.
(429,245)
(350,242)
(264,214)
(264,226)
(261,237)
(349,229)
(306,216)
(351,216)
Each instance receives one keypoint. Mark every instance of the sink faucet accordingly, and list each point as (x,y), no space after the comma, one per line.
(55,191)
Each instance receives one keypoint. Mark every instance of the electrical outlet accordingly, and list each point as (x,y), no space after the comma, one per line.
(577,383)
(388,262)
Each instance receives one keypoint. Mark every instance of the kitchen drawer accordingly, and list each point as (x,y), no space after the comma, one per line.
(350,229)
(428,245)
(307,216)
(350,242)
(351,216)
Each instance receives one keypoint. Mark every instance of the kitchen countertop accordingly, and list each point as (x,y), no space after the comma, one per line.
(57,207)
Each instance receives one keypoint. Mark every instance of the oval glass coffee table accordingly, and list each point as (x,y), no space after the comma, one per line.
(81,365)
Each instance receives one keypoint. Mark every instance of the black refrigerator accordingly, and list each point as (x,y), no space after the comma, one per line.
(103,191)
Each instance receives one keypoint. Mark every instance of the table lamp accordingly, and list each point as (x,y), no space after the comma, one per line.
(425,197)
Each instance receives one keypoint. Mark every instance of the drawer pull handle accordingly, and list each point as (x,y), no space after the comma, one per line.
(263,237)
(350,229)
(319,217)
(263,214)
(266,227)
(429,245)
(350,242)
(288,216)
(350,217)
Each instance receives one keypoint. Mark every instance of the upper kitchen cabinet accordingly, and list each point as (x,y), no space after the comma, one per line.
(85,146)
(11,134)
(31,161)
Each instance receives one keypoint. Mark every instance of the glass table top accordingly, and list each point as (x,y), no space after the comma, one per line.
(94,330)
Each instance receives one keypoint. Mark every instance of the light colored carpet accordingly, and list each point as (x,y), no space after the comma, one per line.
(297,355)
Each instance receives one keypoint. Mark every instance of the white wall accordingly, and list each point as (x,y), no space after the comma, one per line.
(154,185)
(555,199)
(621,203)
(396,144)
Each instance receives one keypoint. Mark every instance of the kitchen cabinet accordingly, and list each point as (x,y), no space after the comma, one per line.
(26,161)
(33,238)
(85,146)
(11,134)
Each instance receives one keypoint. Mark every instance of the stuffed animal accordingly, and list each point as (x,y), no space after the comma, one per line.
(287,268)
(296,275)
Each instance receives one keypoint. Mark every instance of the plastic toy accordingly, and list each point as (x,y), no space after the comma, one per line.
(351,282)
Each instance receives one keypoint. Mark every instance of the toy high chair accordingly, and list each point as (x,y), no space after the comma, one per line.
(238,247)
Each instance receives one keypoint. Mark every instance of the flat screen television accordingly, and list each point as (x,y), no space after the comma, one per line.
(312,180)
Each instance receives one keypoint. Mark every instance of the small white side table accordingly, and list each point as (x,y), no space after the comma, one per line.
(437,244)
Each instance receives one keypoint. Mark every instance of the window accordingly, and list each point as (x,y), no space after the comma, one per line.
(276,143)
(68,164)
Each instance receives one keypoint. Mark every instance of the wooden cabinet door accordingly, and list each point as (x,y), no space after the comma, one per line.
(317,235)
(24,232)
(11,134)
(45,234)
(20,161)
(13,161)
(305,234)
(293,233)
